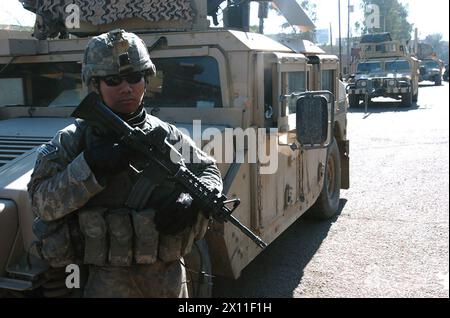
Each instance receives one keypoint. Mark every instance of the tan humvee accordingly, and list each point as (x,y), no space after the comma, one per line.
(385,69)
(228,79)
(431,66)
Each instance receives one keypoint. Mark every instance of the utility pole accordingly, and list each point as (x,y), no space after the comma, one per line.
(263,12)
(331,38)
(340,40)
(350,9)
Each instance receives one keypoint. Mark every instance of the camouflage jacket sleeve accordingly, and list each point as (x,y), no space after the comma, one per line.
(62,182)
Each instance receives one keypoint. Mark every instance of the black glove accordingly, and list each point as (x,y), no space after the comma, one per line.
(177,216)
(107,158)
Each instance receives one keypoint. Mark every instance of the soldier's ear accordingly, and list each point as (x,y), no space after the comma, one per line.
(147,81)
(147,78)
(94,86)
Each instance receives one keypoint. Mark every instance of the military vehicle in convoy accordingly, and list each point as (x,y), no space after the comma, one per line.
(430,65)
(445,76)
(431,70)
(226,77)
(385,68)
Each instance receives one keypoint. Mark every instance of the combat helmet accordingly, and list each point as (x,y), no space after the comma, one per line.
(113,53)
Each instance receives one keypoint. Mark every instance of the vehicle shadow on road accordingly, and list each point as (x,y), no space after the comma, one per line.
(384,107)
(429,85)
(278,270)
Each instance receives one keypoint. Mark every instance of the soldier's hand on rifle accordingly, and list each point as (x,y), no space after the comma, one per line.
(177,216)
(107,158)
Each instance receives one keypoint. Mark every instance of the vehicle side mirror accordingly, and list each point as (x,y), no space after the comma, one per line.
(315,115)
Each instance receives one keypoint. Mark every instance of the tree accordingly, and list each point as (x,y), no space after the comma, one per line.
(439,47)
(254,28)
(311,10)
(392,18)
(434,40)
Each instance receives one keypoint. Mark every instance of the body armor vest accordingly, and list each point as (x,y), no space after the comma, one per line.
(116,227)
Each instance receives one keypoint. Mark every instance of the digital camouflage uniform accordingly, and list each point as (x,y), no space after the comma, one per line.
(62,184)
(100,224)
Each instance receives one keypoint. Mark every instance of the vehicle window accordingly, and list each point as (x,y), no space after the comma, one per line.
(367,48)
(296,84)
(369,67)
(430,64)
(395,66)
(180,82)
(41,84)
(328,80)
(380,48)
(185,82)
(12,92)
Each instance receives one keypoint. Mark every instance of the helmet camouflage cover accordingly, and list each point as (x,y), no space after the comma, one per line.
(113,53)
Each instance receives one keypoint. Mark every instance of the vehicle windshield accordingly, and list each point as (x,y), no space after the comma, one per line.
(179,82)
(430,64)
(369,67)
(185,82)
(397,66)
(41,84)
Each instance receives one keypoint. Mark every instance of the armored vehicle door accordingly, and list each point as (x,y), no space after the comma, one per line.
(297,180)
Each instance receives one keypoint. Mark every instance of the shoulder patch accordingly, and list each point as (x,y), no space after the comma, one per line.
(46,150)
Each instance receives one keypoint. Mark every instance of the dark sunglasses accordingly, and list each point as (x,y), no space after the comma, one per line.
(115,80)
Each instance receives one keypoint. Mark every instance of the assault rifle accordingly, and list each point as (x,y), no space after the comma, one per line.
(159,151)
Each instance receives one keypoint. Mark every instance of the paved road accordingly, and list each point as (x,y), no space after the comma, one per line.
(391,238)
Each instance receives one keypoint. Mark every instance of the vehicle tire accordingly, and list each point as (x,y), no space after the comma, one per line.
(353,101)
(407,99)
(327,204)
(199,271)
(438,81)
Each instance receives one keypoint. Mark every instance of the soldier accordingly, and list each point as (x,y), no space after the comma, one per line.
(130,228)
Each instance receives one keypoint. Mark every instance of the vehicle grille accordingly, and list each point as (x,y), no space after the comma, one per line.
(377,83)
(14,147)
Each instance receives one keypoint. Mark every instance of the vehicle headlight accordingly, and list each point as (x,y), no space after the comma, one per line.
(391,83)
(362,83)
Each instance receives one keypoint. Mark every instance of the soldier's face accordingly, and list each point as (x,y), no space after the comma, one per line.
(124,98)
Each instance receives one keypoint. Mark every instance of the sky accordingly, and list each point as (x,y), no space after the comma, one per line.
(420,12)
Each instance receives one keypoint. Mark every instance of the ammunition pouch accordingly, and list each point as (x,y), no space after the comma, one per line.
(55,243)
(147,237)
(120,235)
(93,227)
